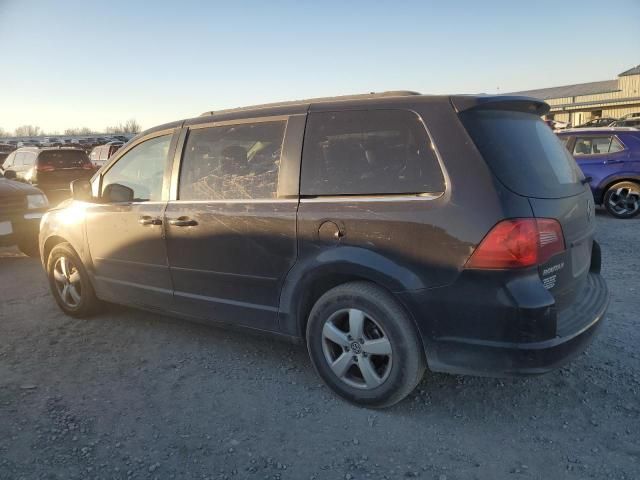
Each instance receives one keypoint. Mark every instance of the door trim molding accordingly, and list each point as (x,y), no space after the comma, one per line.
(225,301)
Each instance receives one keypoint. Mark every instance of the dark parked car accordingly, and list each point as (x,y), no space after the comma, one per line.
(610,158)
(632,122)
(598,122)
(7,147)
(21,208)
(100,154)
(50,169)
(629,116)
(449,232)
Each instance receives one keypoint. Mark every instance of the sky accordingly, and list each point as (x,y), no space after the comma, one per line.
(70,63)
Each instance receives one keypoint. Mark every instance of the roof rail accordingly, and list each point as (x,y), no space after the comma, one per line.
(340,98)
(599,129)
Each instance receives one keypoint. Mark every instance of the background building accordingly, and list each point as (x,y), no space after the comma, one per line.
(582,102)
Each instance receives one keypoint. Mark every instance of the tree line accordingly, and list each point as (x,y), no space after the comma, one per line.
(130,126)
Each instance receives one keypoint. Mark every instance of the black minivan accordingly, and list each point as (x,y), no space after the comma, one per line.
(391,232)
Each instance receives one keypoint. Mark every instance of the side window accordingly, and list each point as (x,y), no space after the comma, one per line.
(141,169)
(29,159)
(232,162)
(368,152)
(591,145)
(616,146)
(18,162)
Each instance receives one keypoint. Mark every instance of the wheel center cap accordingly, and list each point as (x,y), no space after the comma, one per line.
(356,347)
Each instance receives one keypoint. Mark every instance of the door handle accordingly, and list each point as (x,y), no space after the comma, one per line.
(147,220)
(182,222)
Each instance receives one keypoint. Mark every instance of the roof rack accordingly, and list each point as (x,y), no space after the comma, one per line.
(340,98)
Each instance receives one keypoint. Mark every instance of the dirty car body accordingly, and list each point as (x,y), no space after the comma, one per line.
(262,248)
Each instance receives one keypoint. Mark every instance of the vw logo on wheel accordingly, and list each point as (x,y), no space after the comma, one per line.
(356,347)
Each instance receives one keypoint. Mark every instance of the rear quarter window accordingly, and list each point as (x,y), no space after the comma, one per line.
(370,152)
(524,153)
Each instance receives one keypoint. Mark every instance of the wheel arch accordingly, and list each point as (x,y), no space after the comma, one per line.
(49,244)
(309,280)
(611,180)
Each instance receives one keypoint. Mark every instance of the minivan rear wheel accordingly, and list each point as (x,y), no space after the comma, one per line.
(69,282)
(364,345)
(622,200)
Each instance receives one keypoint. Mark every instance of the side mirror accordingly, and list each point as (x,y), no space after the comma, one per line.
(10,175)
(81,190)
(116,193)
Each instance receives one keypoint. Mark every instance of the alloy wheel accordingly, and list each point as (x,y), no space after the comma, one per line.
(67,281)
(357,349)
(625,201)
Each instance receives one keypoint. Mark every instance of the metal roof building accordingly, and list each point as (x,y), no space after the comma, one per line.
(581,102)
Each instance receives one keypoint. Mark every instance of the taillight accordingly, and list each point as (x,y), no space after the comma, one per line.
(518,243)
(45,168)
(550,239)
(87,166)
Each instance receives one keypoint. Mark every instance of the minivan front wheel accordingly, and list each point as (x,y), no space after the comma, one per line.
(69,282)
(622,200)
(364,346)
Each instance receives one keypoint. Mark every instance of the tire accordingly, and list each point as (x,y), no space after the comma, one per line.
(64,268)
(29,247)
(622,200)
(359,369)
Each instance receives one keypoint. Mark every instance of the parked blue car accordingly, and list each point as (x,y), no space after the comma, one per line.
(611,158)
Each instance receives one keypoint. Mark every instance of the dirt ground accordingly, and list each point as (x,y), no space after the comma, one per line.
(130,394)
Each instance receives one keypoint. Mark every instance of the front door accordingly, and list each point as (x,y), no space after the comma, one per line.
(231,238)
(126,239)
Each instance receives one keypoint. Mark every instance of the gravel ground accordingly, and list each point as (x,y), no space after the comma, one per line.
(130,394)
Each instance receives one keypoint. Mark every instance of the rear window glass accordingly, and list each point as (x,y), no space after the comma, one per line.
(524,153)
(63,158)
(368,153)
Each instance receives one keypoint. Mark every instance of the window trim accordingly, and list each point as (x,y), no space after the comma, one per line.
(619,140)
(174,188)
(445,193)
(121,153)
(365,197)
(612,138)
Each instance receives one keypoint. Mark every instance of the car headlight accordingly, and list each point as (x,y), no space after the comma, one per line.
(37,201)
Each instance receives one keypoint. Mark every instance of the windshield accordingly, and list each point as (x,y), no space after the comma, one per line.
(524,153)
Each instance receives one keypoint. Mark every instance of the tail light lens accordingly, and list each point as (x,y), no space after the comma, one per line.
(45,168)
(87,166)
(518,243)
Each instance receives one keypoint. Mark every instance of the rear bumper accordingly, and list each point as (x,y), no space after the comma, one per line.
(575,328)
